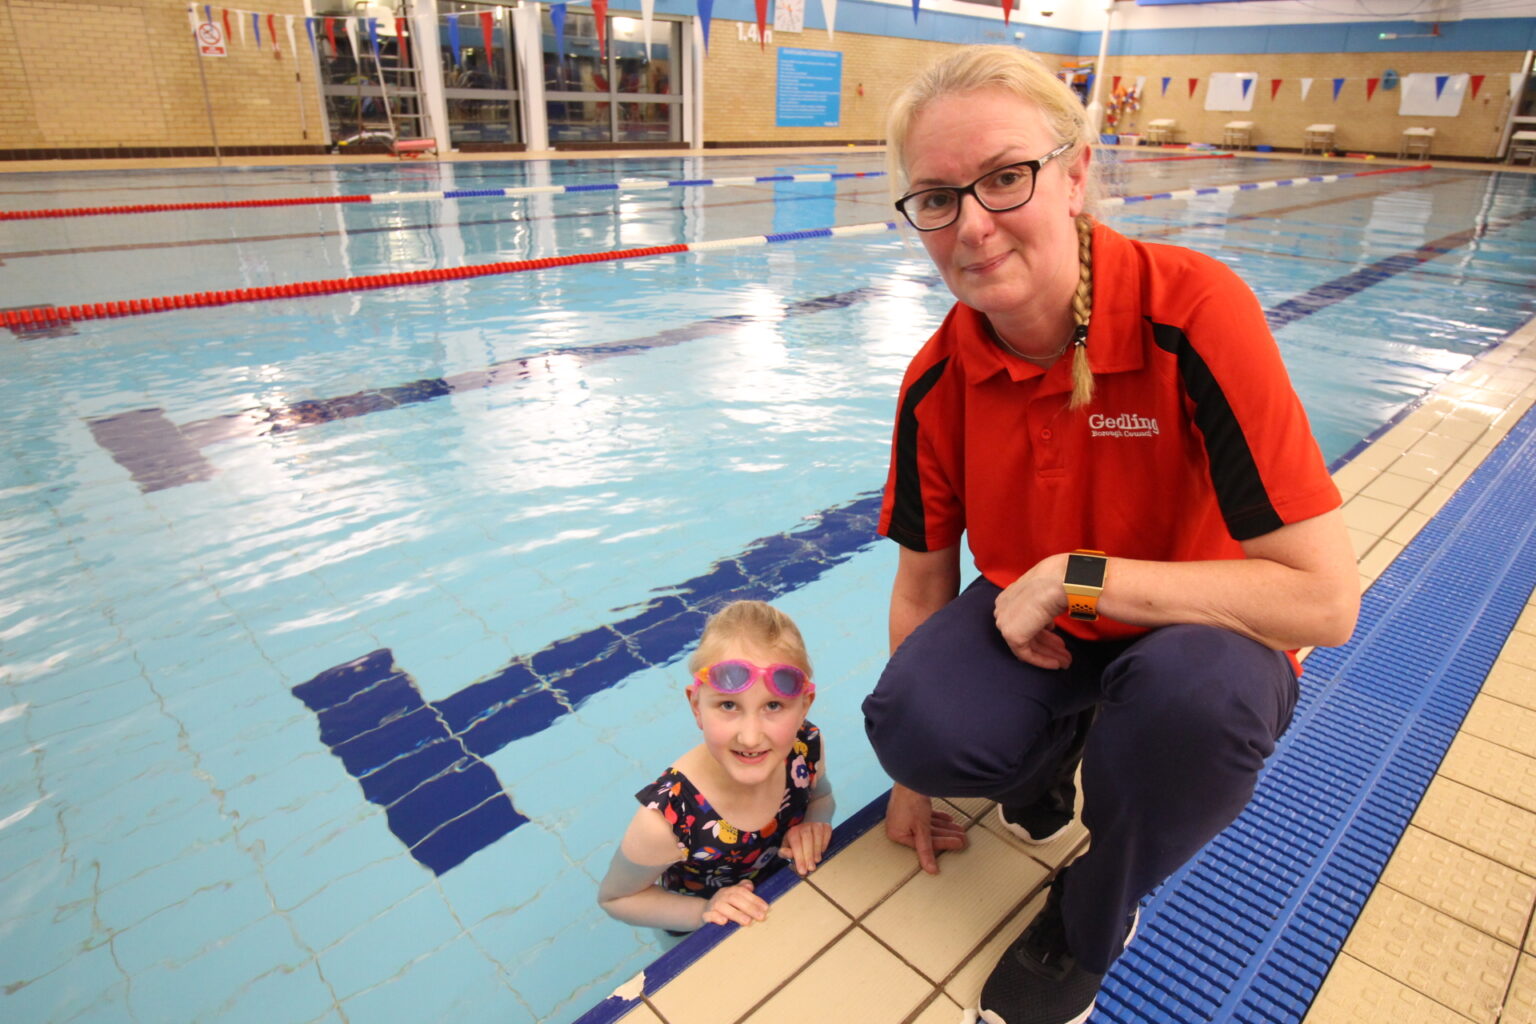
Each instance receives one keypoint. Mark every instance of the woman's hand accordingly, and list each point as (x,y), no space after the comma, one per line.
(1024,612)
(911,821)
(736,904)
(805,843)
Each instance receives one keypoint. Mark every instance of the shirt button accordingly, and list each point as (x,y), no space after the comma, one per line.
(1046,434)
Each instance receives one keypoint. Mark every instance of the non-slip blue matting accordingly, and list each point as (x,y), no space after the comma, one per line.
(1248,929)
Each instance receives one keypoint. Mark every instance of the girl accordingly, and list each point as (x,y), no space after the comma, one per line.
(754,791)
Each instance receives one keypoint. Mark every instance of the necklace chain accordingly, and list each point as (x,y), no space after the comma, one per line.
(1079,337)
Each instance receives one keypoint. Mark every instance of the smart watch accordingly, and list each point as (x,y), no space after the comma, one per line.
(1084,583)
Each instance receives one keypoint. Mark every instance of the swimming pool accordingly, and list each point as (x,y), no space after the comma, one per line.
(499,505)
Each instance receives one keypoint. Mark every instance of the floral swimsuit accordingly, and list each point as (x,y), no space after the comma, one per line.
(719,854)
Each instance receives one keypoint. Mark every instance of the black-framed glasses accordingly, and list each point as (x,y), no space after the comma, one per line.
(1000,190)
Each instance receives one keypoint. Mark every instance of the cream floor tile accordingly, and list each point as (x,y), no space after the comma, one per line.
(1530,938)
(934,921)
(1520,648)
(1353,476)
(1464,428)
(1474,889)
(1428,468)
(941,1011)
(1371,516)
(969,809)
(1356,994)
(641,1014)
(1486,825)
(1502,722)
(856,980)
(1520,1007)
(1441,446)
(1361,541)
(1407,527)
(1402,436)
(1376,458)
(1435,500)
(1495,770)
(1396,489)
(734,976)
(1512,682)
(869,870)
(1526,623)
(965,987)
(1379,557)
(1434,954)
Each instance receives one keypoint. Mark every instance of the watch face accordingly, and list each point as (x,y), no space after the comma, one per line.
(1085,571)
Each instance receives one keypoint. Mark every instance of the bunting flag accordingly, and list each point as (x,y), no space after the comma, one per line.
(914,12)
(647,14)
(405,46)
(330,33)
(488,33)
(1338,83)
(256,27)
(1370,88)
(192,19)
(1477,83)
(1247,84)
(1007,11)
(453,40)
(829,12)
(706,10)
(357,53)
(1166,80)
(1274,88)
(1193,82)
(373,38)
(1114,84)
(1141,85)
(1306,87)
(309,29)
(293,46)
(208,12)
(272,33)
(240,24)
(557,18)
(600,12)
(228,35)
(762,23)
(1088,84)
(1440,81)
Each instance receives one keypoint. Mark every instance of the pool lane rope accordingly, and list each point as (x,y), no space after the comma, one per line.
(388,198)
(42,317)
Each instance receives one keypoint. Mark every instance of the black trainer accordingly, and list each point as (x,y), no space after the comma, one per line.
(1039,823)
(1038,980)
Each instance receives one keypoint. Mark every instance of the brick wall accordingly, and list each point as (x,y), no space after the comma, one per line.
(95,74)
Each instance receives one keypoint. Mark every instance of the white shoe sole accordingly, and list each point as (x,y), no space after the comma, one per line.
(1024,837)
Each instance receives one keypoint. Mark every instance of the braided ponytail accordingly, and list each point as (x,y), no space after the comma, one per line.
(1082,310)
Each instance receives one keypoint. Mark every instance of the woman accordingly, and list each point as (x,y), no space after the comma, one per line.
(1110,426)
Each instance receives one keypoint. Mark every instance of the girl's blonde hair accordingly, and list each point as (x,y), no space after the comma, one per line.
(757,623)
(1021,74)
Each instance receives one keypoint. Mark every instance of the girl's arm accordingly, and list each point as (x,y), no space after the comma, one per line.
(629,891)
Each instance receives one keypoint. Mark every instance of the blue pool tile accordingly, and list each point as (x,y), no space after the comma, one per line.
(413,726)
(98,707)
(393,780)
(350,901)
(448,795)
(90,987)
(462,709)
(451,664)
(498,879)
(134,899)
(141,847)
(308,864)
(564,742)
(557,983)
(549,797)
(384,946)
(258,963)
(186,930)
(454,983)
(529,714)
(465,835)
(49,919)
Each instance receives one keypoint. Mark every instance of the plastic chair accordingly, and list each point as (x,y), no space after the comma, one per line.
(1160,131)
(1318,138)
(1237,134)
(1416,142)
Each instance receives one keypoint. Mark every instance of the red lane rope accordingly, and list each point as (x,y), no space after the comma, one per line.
(227,204)
(45,316)
(1196,156)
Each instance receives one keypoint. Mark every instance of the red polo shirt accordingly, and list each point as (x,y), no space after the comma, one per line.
(1193,442)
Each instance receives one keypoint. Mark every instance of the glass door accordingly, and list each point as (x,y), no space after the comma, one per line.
(479,82)
(617,98)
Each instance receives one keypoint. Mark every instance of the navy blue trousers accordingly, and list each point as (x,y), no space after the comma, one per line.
(1182,719)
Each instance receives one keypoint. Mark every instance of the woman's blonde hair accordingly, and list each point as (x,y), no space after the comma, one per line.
(1021,74)
(754,622)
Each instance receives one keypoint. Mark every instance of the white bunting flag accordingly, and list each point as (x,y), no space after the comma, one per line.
(357,54)
(829,12)
(293,46)
(1306,87)
(240,20)
(647,8)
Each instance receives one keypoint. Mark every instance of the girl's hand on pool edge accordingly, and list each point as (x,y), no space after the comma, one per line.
(736,904)
(805,843)
(1024,612)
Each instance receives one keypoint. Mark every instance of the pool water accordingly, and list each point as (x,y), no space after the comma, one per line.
(338,632)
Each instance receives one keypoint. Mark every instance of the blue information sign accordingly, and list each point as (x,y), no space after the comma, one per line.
(810,88)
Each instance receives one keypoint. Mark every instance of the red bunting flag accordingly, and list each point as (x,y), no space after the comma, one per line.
(272,34)
(1007,10)
(1193,82)
(488,31)
(1274,87)
(405,46)
(1114,85)
(228,35)
(600,11)
(1477,83)
(330,33)
(762,24)
(1370,88)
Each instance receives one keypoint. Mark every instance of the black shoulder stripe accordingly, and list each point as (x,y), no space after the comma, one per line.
(908,520)
(1240,492)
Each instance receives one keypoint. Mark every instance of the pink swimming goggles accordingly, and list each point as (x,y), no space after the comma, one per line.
(788,681)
